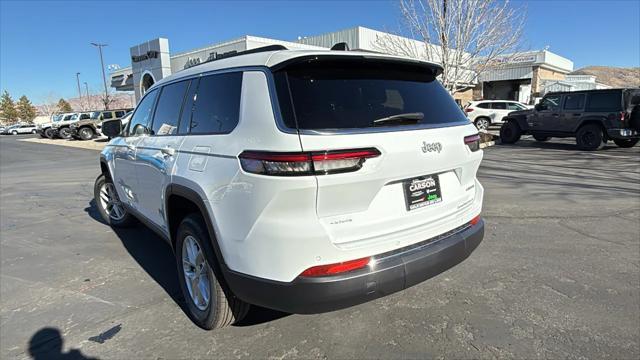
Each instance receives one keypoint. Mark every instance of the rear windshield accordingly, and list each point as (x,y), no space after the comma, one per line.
(355,95)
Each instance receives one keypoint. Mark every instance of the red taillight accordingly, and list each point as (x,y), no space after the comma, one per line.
(622,115)
(475,220)
(338,268)
(468,109)
(473,142)
(305,163)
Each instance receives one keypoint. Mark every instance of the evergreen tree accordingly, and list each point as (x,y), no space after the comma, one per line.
(8,111)
(26,110)
(64,106)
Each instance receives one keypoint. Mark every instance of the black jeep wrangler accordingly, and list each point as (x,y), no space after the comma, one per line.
(593,117)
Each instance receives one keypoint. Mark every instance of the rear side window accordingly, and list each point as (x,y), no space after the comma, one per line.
(604,101)
(216,109)
(357,94)
(483,105)
(167,114)
(107,115)
(574,102)
(499,106)
(84,116)
(119,114)
(141,118)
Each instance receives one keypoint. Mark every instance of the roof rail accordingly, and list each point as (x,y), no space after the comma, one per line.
(246,52)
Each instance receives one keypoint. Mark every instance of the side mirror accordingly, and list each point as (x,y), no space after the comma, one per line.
(112,128)
(539,107)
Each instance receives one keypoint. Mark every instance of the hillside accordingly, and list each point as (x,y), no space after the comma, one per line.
(612,76)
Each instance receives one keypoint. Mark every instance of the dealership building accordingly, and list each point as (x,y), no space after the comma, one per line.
(523,77)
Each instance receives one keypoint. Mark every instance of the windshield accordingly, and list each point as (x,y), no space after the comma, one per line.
(56,118)
(354,94)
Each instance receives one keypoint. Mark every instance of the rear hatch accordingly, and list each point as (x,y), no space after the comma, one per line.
(424,173)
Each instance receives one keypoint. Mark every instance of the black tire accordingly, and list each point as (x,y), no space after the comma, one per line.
(510,132)
(626,143)
(223,308)
(64,133)
(48,133)
(85,133)
(590,137)
(541,138)
(126,221)
(482,123)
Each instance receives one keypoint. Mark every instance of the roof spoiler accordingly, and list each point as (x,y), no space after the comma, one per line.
(435,69)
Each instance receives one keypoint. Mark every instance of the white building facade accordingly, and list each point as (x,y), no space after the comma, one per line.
(522,77)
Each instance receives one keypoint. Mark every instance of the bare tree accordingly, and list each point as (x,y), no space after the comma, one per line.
(467,37)
(49,105)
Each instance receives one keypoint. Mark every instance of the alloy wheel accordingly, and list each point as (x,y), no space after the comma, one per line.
(110,202)
(196,273)
(482,124)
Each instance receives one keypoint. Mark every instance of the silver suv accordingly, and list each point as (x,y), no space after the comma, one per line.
(302,181)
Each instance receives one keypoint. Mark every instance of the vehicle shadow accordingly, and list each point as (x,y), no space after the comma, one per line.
(551,145)
(47,343)
(156,257)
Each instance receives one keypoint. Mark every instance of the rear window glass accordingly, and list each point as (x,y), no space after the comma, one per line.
(356,94)
(574,101)
(216,108)
(605,101)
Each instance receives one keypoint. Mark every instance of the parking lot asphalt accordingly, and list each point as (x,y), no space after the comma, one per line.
(557,275)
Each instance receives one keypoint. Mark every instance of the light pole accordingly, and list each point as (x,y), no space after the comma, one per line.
(78,81)
(86,89)
(104,77)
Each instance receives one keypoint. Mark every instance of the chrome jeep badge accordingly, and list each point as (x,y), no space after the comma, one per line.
(430,147)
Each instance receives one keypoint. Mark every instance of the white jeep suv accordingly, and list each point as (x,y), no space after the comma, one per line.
(490,112)
(302,181)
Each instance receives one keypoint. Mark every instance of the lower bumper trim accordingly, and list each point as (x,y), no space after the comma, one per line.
(388,274)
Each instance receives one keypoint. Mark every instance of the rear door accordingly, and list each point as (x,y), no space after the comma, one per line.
(499,111)
(572,110)
(424,170)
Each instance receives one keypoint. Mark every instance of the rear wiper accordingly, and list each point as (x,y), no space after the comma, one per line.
(400,118)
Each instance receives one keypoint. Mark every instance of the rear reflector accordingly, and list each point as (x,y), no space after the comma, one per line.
(305,163)
(473,142)
(475,220)
(338,268)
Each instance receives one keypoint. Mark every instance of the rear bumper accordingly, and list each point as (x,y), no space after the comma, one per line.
(386,274)
(623,134)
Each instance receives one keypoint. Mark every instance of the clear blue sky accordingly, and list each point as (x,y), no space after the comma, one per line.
(43,44)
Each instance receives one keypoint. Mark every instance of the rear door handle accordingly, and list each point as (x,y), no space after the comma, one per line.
(578,114)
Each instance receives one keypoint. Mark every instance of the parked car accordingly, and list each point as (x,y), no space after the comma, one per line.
(292,180)
(61,128)
(490,112)
(86,129)
(20,129)
(44,129)
(50,130)
(593,117)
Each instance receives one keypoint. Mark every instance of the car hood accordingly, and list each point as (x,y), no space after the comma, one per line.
(521,112)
